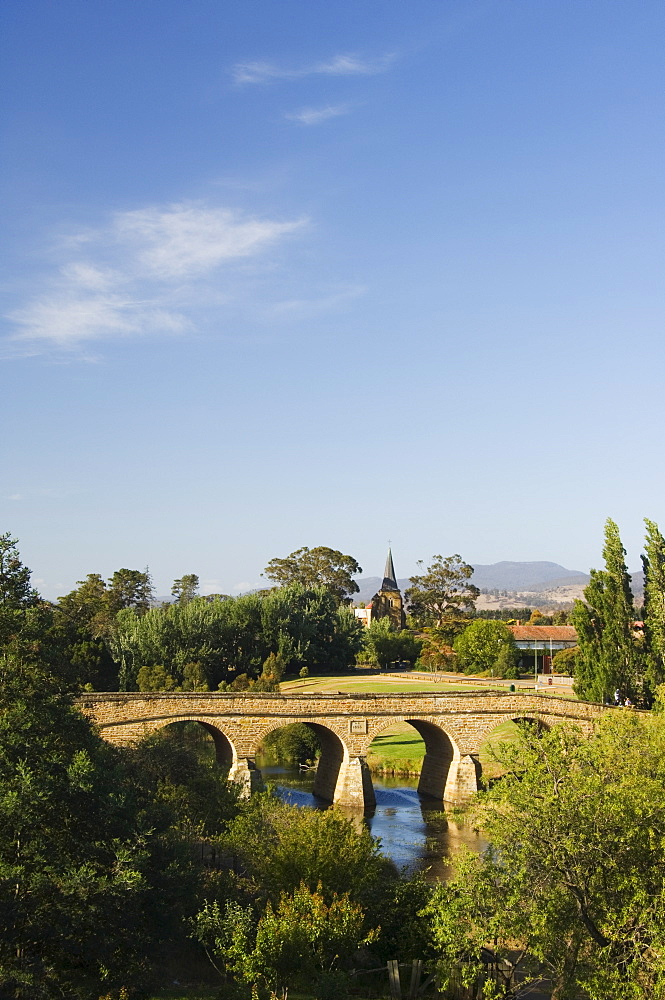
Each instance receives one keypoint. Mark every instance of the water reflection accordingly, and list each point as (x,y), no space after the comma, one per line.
(414,831)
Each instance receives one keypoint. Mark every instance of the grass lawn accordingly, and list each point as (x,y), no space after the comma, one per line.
(367,685)
(398,749)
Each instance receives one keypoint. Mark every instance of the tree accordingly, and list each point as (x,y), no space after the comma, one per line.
(301,938)
(317,567)
(227,638)
(383,645)
(487,646)
(82,848)
(609,658)
(443,589)
(88,605)
(653,562)
(280,846)
(565,661)
(186,588)
(304,936)
(86,618)
(573,884)
(130,588)
(292,744)
(15,591)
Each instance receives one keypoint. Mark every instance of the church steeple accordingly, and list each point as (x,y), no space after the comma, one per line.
(389,578)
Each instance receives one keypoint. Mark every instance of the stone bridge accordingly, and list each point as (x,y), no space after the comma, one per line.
(453,726)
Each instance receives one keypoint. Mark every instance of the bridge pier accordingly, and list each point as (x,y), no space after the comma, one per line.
(463,779)
(435,770)
(245,772)
(354,788)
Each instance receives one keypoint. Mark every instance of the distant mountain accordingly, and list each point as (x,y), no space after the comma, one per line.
(520,576)
(546,578)
(512,576)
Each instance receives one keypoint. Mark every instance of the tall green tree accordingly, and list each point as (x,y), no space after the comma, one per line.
(16,592)
(317,567)
(653,562)
(610,658)
(236,636)
(88,605)
(442,590)
(186,588)
(130,588)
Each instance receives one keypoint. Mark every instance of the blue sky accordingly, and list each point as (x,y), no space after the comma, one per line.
(296,273)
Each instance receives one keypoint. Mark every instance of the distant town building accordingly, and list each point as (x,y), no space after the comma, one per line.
(541,642)
(387,602)
(555,636)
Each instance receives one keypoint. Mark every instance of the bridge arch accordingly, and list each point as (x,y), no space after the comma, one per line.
(225,751)
(333,758)
(446,773)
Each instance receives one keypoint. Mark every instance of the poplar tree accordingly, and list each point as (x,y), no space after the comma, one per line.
(609,658)
(653,562)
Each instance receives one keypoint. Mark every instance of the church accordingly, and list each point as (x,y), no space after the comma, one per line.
(387,602)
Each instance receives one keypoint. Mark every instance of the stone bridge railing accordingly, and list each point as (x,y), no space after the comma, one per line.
(453,726)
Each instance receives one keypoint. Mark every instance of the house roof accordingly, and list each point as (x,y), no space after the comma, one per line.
(540,633)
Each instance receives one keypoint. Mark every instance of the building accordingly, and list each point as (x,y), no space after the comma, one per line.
(539,643)
(387,602)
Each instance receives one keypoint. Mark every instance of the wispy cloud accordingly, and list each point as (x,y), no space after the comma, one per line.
(51,493)
(341,65)
(314,116)
(289,308)
(142,273)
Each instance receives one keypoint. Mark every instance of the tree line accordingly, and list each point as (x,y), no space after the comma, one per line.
(108,635)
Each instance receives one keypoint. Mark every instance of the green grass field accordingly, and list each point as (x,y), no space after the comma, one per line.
(377,683)
(399,749)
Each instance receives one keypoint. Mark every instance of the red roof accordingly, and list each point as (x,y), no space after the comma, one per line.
(531,633)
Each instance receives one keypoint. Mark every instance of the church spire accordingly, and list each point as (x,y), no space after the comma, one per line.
(389,578)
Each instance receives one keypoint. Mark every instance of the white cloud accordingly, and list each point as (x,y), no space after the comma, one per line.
(314,116)
(156,255)
(185,240)
(71,316)
(341,65)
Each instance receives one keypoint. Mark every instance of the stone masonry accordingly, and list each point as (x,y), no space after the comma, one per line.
(452,725)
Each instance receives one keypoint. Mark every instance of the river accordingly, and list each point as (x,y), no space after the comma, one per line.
(413,830)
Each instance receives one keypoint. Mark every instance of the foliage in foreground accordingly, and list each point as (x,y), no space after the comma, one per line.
(574,884)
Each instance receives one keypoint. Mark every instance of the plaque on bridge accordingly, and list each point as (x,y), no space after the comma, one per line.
(358,727)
